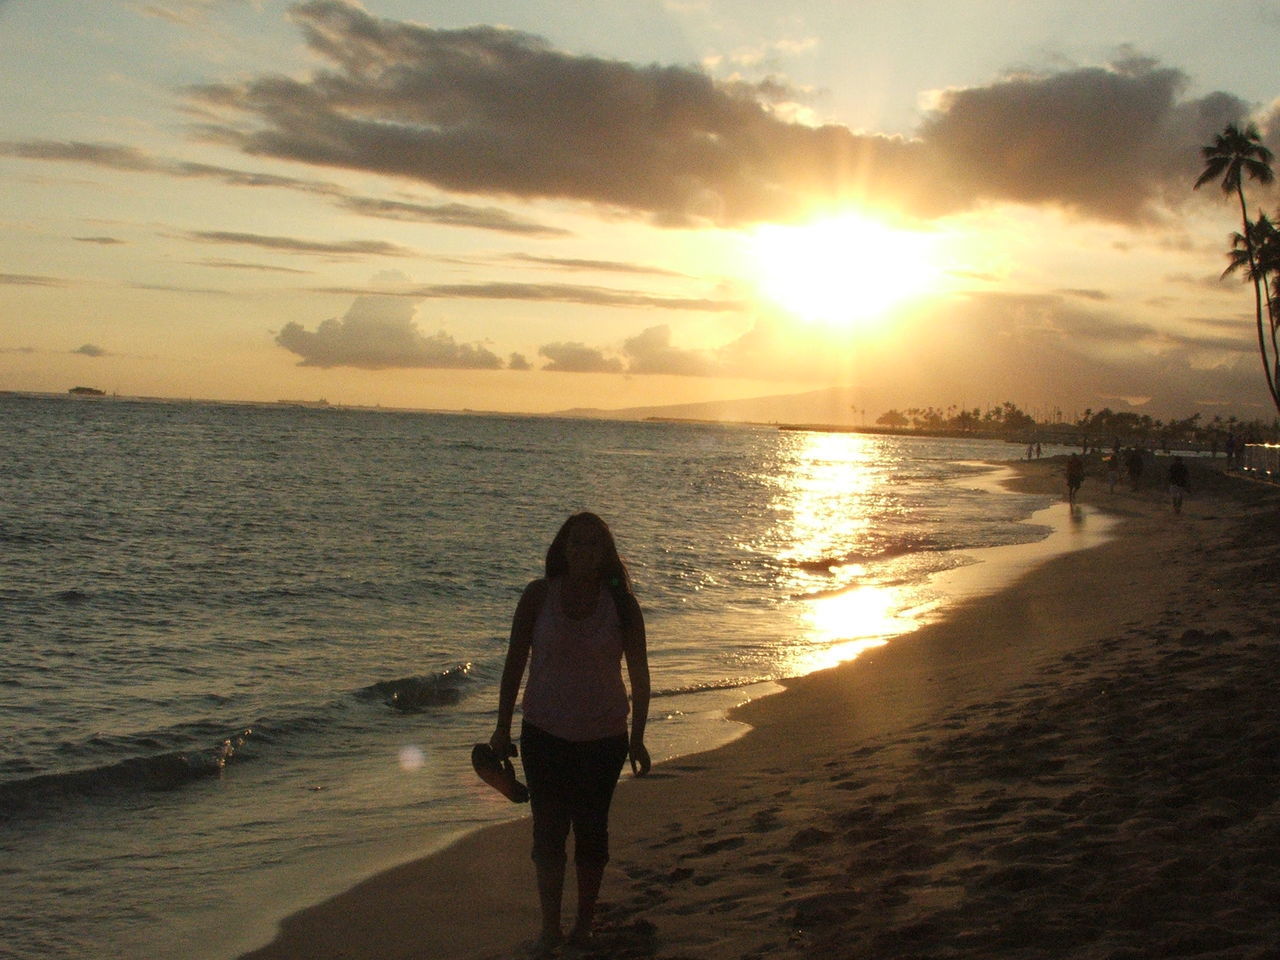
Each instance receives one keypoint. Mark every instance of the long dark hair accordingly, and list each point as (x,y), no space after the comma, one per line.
(613,572)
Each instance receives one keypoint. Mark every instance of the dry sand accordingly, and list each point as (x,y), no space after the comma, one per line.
(1084,765)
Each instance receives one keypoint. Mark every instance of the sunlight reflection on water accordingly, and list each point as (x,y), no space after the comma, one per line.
(855,588)
(834,496)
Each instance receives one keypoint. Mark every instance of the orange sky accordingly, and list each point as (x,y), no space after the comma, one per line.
(516,207)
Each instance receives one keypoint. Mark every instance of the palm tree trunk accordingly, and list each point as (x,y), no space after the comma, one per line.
(1267,371)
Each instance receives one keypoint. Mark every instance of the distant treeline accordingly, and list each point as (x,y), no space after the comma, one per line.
(1101,428)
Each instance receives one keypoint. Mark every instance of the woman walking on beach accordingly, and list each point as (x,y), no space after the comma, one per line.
(574,628)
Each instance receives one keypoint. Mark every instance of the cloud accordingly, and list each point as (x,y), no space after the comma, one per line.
(768,351)
(1218,345)
(379,332)
(31,280)
(1215,282)
(518,361)
(651,352)
(550,293)
(176,288)
(222,264)
(484,110)
(294,245)
(578,358)
(133,160)
(1111,142)
(101,241)
(492,111)
(91,350)
(449,214)
(115,156)
(1081,352)
(1049,346)
(604,266)
(183,13)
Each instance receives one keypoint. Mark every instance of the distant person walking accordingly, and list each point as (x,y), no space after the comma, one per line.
(1179,480)
(1134,465)
(574,628)
(1075,476)
(1113,471)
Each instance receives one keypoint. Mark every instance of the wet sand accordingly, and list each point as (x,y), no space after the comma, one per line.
(1084,765)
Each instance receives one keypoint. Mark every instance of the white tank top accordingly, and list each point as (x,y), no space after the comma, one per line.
(575,689)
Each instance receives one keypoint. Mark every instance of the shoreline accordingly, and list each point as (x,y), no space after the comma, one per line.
(707,717)
(988,570)
(760,831)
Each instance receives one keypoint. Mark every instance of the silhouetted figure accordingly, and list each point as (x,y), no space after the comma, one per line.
(1179,480)
(1133,463)
(1113,471)
(574,628)
(1075,476)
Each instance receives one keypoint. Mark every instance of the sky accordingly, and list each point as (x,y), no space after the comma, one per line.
(539,205)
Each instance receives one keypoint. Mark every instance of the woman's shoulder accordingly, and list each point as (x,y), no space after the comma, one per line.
(537,589)
(532,600)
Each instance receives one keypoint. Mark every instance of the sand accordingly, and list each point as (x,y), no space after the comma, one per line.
(1084,765)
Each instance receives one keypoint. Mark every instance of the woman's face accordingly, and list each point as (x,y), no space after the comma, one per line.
(585,549)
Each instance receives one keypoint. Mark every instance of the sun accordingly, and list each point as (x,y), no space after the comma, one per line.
(848,271)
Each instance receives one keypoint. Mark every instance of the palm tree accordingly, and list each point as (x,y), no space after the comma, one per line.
(1233,155)
(1264,242)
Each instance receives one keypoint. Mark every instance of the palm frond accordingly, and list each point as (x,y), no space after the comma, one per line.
(1213,169)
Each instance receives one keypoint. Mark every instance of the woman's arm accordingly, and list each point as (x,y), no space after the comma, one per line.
(635,650)
(517,657)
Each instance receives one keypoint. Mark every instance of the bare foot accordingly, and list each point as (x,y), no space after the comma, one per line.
(548,942)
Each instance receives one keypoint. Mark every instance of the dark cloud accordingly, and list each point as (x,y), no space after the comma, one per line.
(485,110)
(294,245)
(578,358)
(377,333)
(550,293)
(101,241)
(518,361)
(1112,142)
(133,160)
(496,112)
(490,111)
(90,350)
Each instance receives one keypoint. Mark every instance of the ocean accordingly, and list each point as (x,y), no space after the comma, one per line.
(245,649)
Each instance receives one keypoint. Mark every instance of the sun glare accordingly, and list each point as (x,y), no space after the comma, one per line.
(848,271)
